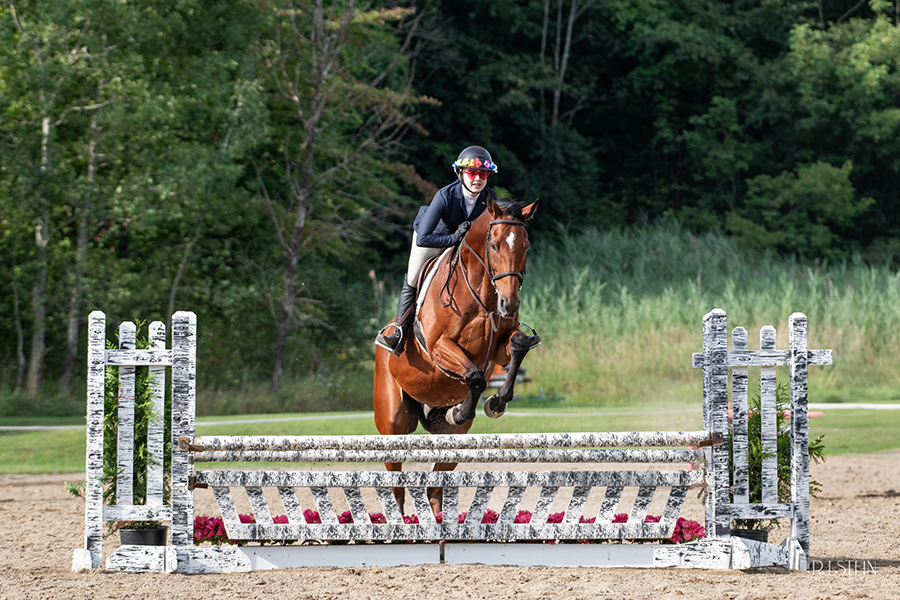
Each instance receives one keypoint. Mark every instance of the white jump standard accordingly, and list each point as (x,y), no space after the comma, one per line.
(591,492)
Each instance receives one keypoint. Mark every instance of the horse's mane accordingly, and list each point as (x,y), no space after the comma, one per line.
(510,206)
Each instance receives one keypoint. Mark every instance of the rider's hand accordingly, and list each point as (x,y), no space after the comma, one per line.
(462,229)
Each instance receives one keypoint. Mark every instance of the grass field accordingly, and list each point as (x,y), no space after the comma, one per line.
(846,431)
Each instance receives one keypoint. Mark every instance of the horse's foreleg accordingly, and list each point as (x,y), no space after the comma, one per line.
(399,492)
(519,345)
(436,494)
(452,359)
(464,412)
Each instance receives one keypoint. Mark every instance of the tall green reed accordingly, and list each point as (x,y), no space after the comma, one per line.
(620,312)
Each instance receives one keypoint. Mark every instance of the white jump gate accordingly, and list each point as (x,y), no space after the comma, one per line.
(458,538)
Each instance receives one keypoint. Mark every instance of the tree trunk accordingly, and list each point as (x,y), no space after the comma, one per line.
(289,295)
(176,281)
(17,317)
(76,291)
(39,310)
(544,32)
(563,61)
(39,289)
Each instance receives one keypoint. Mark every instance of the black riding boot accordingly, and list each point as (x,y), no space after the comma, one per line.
(394,343)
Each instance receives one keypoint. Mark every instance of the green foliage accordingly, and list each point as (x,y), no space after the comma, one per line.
(195,155)
(756,454)
(144,415)
(802,211)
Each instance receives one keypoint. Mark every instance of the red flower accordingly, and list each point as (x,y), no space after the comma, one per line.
(523,517)
(490,517)
(556,517)
(312,517)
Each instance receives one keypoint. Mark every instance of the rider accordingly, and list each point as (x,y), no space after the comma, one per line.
(441,224)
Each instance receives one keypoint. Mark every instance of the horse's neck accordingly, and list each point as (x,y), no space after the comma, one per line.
(476,275)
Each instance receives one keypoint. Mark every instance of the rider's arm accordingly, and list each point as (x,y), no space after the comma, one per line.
(428,222)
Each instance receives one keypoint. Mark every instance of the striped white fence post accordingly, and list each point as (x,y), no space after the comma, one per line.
(799,436)
(184,397)
(91,556)
(715,420)
(768,423)
(127,358)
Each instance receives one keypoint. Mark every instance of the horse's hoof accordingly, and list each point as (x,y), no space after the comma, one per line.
(454,417)
(493,407)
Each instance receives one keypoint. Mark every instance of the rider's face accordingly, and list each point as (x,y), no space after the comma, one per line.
(475,179)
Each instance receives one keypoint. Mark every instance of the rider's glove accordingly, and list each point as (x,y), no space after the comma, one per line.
(462,229)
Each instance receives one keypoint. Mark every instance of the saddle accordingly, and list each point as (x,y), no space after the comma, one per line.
(426,276)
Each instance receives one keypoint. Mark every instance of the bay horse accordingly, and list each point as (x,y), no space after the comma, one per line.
(467,324)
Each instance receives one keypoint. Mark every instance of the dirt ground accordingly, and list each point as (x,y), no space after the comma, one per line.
(855,554)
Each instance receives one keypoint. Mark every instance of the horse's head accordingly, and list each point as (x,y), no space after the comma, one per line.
(505,247)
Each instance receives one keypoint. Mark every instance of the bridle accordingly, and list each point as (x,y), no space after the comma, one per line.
(486,265)
(487,254)
(489,269)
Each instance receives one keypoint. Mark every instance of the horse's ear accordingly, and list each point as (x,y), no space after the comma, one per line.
(529,211)
(493,207)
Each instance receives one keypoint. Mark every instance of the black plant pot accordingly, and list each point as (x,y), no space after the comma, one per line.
(759,535)
(143,537)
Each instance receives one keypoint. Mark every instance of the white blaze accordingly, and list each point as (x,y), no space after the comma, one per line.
(511,240)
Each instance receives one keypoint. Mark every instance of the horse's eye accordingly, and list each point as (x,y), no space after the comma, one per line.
(493,247)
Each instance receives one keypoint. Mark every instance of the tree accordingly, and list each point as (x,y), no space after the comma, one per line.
(124,126)
(45,72)
(802,211)
(847,89)
(341,106)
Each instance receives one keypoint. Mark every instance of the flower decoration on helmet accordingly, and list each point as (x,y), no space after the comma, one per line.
(475,157)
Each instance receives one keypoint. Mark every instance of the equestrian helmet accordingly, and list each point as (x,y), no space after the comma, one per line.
(475,157)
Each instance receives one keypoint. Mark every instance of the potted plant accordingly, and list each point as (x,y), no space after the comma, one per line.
(759,528)
(132,532)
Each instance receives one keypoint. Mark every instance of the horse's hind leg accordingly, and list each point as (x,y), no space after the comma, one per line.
(396,413)
(435,421)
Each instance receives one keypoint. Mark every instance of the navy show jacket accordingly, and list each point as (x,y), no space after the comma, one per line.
(436,223)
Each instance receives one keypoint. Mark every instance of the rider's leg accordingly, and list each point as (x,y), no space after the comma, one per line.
(394,342)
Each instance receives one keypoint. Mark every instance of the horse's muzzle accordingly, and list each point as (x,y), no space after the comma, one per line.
(507,308)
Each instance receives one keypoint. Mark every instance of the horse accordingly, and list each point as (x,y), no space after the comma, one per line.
(467,324)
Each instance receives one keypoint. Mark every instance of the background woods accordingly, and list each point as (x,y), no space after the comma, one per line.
(259,162)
